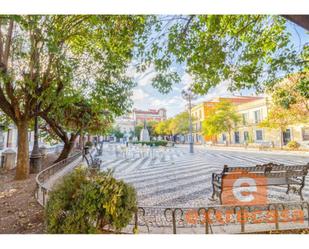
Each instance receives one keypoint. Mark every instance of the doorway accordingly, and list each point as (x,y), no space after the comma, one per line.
(286,136)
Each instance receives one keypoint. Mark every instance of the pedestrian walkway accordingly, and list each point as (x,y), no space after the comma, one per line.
(179,178)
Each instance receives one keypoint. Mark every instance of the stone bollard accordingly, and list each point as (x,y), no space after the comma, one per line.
(8,159)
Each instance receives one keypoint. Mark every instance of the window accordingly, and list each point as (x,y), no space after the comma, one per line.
(223,137)
(236,136)
(245,117)
(286,136)
(246,136)
(198,127)
(200,114)
(257,116)
(259,135)
(306,133)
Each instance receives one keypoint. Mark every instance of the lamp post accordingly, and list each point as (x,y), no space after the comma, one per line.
(189,96)
(36,156)
(100,151)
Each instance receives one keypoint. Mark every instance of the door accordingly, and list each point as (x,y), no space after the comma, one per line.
(236,136)
(246,136)
(286,136)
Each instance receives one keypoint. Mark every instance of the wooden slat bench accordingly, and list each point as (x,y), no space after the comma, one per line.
(291,176)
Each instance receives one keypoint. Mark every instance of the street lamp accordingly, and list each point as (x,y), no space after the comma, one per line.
(189,96)
(36,156)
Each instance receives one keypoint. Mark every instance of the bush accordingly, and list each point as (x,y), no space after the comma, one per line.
(88,144)
(90,202)
(152,143)
(293,145)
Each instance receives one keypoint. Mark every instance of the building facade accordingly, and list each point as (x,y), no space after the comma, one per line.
(201,111)
(139,116)
(248,130)
(8,137)
(126,125)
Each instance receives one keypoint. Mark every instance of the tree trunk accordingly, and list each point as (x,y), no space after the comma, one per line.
(67,148)
(23,164)
(230,138)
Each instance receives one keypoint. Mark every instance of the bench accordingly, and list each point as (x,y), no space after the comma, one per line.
(265,145)
(93,163)
(293,177)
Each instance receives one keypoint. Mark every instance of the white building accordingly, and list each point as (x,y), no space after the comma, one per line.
(125,124)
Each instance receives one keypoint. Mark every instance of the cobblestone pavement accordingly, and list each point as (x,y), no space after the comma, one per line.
(177,178)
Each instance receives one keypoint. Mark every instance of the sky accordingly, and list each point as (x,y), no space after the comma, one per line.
(146,97)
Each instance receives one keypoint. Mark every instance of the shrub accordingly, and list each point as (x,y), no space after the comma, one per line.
(90,202)
(88,144)
(293,145)
(151,143)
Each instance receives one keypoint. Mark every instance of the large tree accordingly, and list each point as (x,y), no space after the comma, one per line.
(244,50)
(289,103)
(161,128)
(42,55)
(221,118)
(73,119)
(280,118)
(292,93)
(173,126)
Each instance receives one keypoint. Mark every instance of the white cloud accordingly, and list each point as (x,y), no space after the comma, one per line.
(145,78)
(139,94)
(186,80)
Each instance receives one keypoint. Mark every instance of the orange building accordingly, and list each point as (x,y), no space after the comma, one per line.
(201,110)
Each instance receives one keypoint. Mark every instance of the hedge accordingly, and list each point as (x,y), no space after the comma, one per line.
(151,143)
(90,202)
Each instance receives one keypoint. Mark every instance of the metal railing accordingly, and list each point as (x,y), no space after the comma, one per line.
(54,149)
(41,190)
(222,218)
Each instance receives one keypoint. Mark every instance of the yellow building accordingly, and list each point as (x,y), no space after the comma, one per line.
(248,130)
(201,110)
(199,113)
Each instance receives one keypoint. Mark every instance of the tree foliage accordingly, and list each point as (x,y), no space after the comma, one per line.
(162,128)
(70,119)
(289,103)
(173,126)
(150,125)
(293,94)
(245,50)
(221,118)
(115,131)
(89,202)
(41,56)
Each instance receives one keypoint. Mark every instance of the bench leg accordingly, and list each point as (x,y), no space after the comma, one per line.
(301,188)
(301,192)
(213,189)
(220,197)
(212,198)
(288,190)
